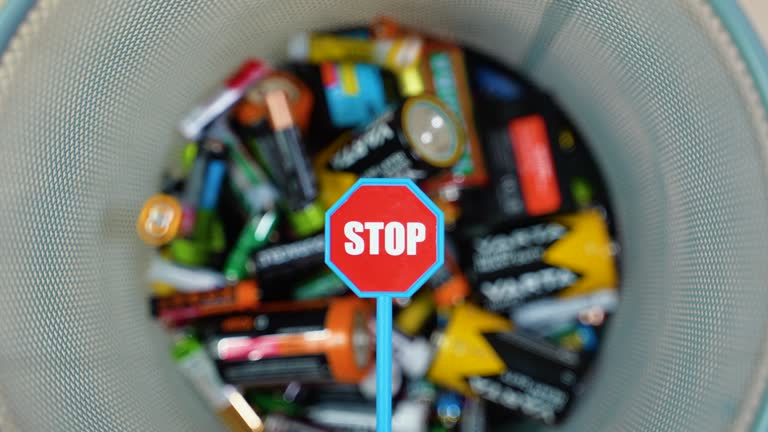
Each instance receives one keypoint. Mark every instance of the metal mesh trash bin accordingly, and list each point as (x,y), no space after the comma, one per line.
(668,93)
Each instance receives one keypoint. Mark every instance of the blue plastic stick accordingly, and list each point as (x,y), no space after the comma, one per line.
(383,364)
(384,298)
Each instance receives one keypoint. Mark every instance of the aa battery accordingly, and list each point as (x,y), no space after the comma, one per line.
(416,140)
(545,314)
(577,337)
(449,408)
(254,236)
(181,307)
(286,157)
(479,354)
(407,416)
(289,259)
(326,284)
(253,110)
(202,187)
(390,53)
(474,417)
(279,423)
(566,256)
(194,123)
(417,316)
(250,185)
(183,278)
(228,403)
(316,342)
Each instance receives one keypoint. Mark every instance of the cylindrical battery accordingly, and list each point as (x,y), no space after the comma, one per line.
(252,109)
(160,220)
(250,185)
(181,307)
(279,423)
(416,140)
(289,259)
(285,155)
(312,341)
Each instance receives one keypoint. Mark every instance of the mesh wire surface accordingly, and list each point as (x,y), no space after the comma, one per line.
(90,93)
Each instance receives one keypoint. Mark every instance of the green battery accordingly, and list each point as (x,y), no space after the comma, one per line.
(255,235)
(249,183)
(270,403)
(188,156)
(304,221)
(308,220)
(197,251)
(322,286)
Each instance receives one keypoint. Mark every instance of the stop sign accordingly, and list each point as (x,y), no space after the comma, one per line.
(384,237)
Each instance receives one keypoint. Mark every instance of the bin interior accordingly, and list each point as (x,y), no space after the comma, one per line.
(90,93)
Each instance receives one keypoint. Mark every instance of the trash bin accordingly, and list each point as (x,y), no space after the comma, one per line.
(671,95)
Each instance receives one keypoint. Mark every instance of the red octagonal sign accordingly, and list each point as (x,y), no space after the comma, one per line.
(384,237)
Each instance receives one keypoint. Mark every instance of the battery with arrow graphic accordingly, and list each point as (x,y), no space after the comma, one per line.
(562,256)
(480,354)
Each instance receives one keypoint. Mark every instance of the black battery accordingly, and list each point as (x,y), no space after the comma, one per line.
(416,140)
(564,255)
(540,380)
(287,261)
(488,252)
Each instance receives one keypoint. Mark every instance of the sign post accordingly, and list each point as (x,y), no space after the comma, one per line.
(384,238)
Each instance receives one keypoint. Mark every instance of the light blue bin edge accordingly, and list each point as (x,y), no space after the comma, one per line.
(11,16)
(732,16)
(754,54)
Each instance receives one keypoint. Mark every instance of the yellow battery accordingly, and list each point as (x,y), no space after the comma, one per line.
(463,351)
(410,81)
(412,318)
(162,289)
(332,185)
(585,250)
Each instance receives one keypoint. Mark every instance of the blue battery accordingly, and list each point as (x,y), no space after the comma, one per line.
(214,177)
(355,93)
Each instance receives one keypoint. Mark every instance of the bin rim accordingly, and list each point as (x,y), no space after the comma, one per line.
(12,14)
(740,29)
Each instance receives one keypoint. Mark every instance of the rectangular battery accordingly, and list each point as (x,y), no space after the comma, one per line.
(539,382)
(480,354)
(565,256)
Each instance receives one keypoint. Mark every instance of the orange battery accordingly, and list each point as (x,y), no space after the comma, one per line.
(314,341)
(450,285)
(159,220)
(179,308)
(253,108)
(385,27)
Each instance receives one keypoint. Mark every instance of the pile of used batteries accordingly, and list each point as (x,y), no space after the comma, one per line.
(503,333)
